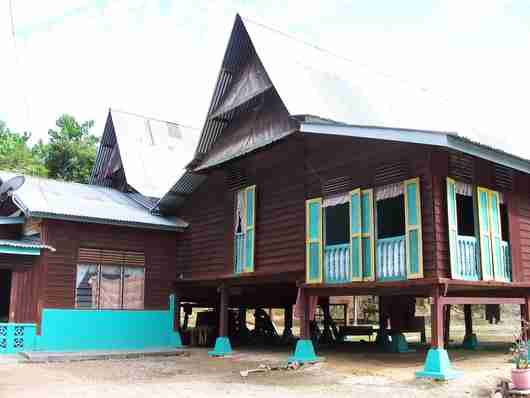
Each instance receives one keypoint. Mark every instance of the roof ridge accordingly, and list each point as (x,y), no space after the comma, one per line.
(153,118)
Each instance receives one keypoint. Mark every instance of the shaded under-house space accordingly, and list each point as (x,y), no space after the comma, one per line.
(5,294)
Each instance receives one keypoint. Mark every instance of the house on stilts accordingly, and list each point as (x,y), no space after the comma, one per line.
(313,177)
(91,266)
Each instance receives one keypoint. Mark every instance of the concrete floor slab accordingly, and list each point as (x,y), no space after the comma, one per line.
(41,356)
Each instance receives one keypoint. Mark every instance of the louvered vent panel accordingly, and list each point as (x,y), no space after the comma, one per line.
(110,257)
(236,178)
(391,172)
(461,167)
(503,178)
(336,185)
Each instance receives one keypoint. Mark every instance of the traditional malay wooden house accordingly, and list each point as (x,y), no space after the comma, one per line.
(320,178)
(90,267)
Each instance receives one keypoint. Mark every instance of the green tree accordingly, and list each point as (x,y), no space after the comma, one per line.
(16,155)
(71,150)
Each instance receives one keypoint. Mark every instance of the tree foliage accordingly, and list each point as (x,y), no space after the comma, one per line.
(71,150)
(16,155)
(68,155)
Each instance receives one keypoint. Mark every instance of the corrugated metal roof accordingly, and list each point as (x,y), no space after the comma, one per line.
(334,89)
(46,198)
(151,150)
(185,185)
(25,244)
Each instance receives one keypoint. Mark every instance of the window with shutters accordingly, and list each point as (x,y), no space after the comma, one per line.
(109,279)
(244,231)
(478,233)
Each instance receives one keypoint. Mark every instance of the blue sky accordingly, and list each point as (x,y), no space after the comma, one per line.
(161,58)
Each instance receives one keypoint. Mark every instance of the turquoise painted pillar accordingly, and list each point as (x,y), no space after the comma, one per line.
(174,336)
(470,342)
(222,343)
(304,351)
(438,366)
(398,344)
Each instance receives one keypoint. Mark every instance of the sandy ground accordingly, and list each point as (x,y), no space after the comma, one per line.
(349,371)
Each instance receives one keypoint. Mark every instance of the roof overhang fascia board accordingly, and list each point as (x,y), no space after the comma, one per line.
(24,251)
(377,133)
(442,139)
(110,222)
(12,220)
(481,151)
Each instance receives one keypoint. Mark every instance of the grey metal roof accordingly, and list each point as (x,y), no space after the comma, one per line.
(25,244)
(46,198)
(150,151)
(312,81)
(184,186)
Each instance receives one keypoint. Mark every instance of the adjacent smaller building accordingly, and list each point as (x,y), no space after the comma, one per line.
(84,267)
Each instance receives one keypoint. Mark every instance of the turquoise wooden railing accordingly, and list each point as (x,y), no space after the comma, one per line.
(17,337)
(337,267)
(239,252)
(391,259)
(468,264)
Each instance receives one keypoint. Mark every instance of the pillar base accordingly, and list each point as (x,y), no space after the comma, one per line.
(438,366)
(222,347)
(398,343)
(304,353)
(176,340)
(470,342)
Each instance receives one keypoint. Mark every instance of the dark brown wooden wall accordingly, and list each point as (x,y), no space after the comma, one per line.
(286,174)
(58,285)
(206,249)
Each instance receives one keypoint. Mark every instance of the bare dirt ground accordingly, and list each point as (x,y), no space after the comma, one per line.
(348,372)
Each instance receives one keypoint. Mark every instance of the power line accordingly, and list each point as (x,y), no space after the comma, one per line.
(19,66)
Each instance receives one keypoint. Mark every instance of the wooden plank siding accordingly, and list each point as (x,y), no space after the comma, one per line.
(286,174)
(206,249)
(67,237)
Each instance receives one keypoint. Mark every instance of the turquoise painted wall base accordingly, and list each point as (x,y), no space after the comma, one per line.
(470,342)
(438,366)
(304,352)
(72,330)
(222,347)
(398,344)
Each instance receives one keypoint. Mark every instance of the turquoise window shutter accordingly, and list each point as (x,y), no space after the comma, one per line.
(250,202)
(496,235)
(413,230)
(356,247)
(314,240)
(367,234)
(452,222)
(484,222)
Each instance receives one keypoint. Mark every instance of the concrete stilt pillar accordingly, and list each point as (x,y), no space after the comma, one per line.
(305,351)
(288,324)
(222,343)
(437,364)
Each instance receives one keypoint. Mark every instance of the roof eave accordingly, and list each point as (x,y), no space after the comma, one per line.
(93,220)
(424,137)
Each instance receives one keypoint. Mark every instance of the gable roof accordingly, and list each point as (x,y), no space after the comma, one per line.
(148,150)
(330,94)
(47,198)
